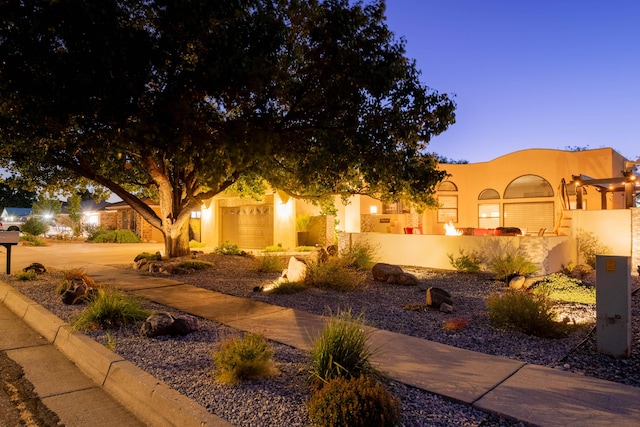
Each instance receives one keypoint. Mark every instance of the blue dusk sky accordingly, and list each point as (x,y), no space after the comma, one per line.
(528,73)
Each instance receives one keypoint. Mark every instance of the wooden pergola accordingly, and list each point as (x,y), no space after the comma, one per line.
(628,183)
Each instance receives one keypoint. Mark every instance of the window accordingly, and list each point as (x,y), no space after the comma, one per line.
(394,208)
(532,216)
(447,186)
(448,210)
(488,194)
(489,215)
(528,186)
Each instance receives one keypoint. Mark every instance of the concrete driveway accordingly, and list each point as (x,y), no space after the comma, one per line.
(65,256)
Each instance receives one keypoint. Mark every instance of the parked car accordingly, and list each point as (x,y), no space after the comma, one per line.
(10,226)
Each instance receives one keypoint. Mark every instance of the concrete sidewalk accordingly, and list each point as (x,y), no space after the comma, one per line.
(531,394)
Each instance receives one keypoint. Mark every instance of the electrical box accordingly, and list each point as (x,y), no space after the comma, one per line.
(613,305)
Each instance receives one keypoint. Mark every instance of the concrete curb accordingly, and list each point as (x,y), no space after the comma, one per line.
(149,399)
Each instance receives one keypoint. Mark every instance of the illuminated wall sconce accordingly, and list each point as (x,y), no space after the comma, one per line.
(373,209)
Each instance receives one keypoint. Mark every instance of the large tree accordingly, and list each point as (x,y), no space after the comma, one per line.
(185,98)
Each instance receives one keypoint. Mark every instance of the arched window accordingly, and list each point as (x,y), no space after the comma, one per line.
(488,194)
(447,186)
(527,186)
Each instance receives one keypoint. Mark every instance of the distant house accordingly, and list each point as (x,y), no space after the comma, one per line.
(16,214)
(120,216)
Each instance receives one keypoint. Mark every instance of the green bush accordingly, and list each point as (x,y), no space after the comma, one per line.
(269,264)
(355,402)
(113,236)
(304,248)
(110,309)
(246,358)
(504,259)
(30,240)
(227,248)
(341,350)
(35,226)
(196,244)
(26,275)
(467,263)
(195,264)
(335,273)
(561,287)
(360,255)
(285,287)
(274,248)
(589,246)
(148,256)
(525,312)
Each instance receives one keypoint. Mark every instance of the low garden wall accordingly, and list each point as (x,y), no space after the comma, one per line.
(548,253)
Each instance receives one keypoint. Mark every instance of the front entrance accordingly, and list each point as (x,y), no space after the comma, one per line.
(249,226)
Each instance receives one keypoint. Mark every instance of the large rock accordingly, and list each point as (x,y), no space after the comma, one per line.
(78,292)
(438,296)
(393,274)
(296,271)
(35,267)
(164,323)
(517,282)
(319,255)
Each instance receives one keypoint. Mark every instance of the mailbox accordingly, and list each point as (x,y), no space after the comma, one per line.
(9,237)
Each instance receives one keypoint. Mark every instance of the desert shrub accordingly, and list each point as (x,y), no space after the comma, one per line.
(227,248)
(589,246)
(466,262)
(341,350)
(35,226)
(113,236)
(247,358)
(30,240)
(269,264)
(26,275)
(195,264)
(561,287)
(336,273)
(75,273)
(285,287)
(525,312)
(110,309)
(354,402)
(360,255)
(504,259)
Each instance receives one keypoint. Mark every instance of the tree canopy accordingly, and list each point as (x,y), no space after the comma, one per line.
(185,98)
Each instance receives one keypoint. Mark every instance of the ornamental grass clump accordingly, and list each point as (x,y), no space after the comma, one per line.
(353,402)
(227,248)
(68,276)
(341,350)
(26,275)
(524,312)
(110,309)
(336,273)
(360,255)
(243,358)
(466,262)
(269,264)
(505,260)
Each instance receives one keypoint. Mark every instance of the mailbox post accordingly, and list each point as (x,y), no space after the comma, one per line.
(8,239)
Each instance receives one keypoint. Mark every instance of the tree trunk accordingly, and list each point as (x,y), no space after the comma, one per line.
(176,240)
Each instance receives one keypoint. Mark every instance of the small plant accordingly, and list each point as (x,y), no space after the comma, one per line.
(589,246)
(113,236)
(246,358)
(35,226)
(110,309)
(111,341)
(303,222)
(227,248)
(304,248)
(560,287)
(284,287)
(26,275)
(196,244)
(467,263)
(195,264)
(75,273)
(360,255)
(148,256)
(269,264)
(505,260)
(274,248)
(30,240)
(525,312)
(335,274)
(354,402)
(341,351)
(455,324)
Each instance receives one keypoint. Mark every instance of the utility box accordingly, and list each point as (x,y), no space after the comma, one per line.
(613,305)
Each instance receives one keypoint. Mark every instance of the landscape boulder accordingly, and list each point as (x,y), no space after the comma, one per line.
(296,270)
(517,282)
(164,323)
(393,274)
(78,292)
(436,297)
(35,267)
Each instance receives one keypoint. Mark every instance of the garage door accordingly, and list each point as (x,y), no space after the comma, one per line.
(250,227)
(532,216)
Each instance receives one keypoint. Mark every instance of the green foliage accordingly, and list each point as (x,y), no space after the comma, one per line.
(504,259)
(341,350)
(560,287)
(285,288)
(35,226)
(26,275)
(467,263)
(247,358)
(303,222)
(360,255)
(111,342)
(47,209)
(336,273)
(269,264)
(304,249)
(195,264)
(227,248)
(113,236)
(274,248)
(194,244)
(31,240)
(524,312)
(354,402)
(148,256)
(589,246)
(110,309)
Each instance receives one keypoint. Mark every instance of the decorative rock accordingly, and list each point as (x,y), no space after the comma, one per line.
(296,270)
(36,267)
(319,255)
(382,272)
(407,279)
(77,292)
(164,323)
(446,308)
(517,282)
(438,296)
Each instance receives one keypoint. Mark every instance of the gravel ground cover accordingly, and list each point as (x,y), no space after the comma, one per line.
(184,363)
